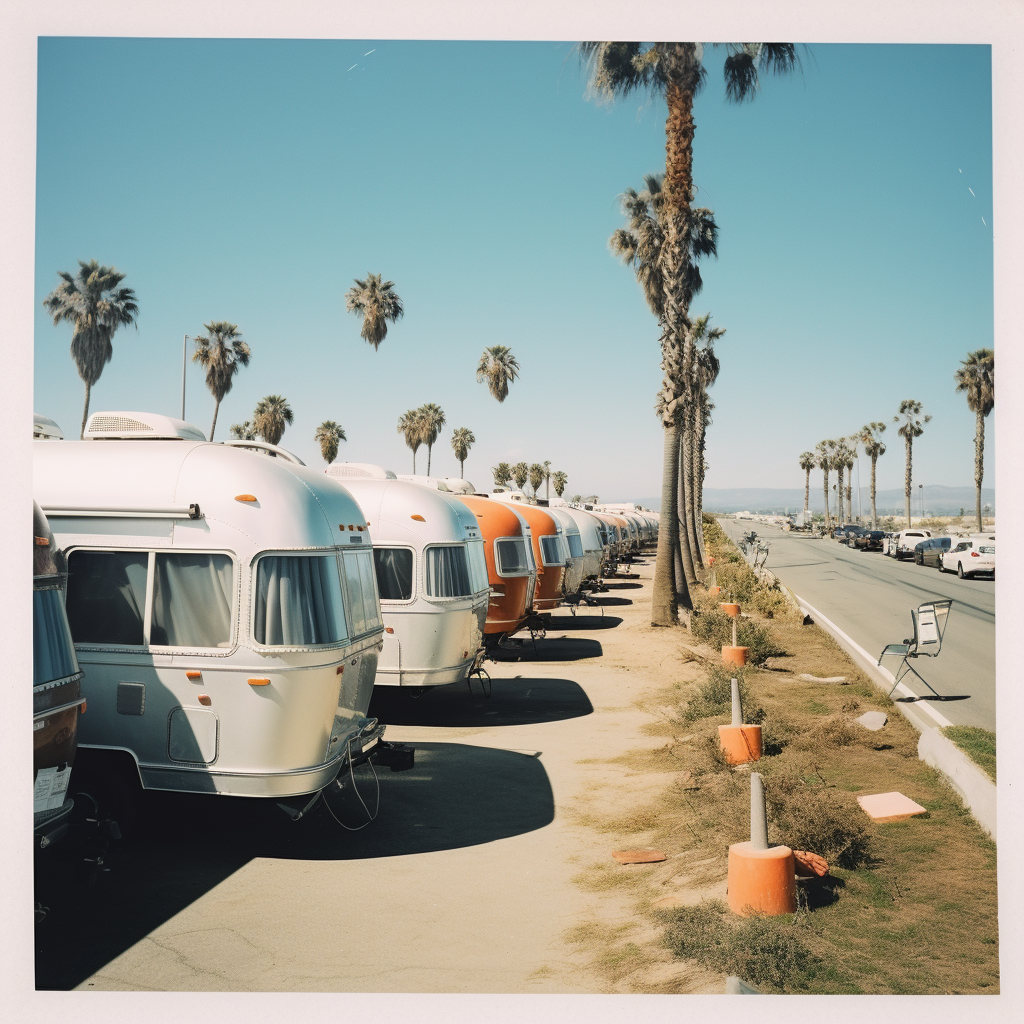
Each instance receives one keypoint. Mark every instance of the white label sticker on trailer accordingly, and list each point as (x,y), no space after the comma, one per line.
(50,788)
(355,540)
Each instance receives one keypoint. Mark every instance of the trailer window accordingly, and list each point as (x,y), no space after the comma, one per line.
(477,566)
(192,598)
(107,597)
(575,545)
(551,550)
(298,601)
(394,573)
(511,556)
(53,652)
(447,572)
(362,596)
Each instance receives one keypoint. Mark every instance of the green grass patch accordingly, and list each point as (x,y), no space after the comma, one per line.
(978,744)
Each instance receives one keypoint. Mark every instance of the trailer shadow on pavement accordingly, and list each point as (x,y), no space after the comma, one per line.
(518,701)
(581,621)
(179,847)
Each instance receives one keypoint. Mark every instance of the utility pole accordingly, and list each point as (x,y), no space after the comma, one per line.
(184,345)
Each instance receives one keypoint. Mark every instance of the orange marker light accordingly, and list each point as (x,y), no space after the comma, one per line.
(204,699)
(245,497)
(81,710)
(259,682)
(360,528)
(341,668)
(418,519)
(193,673)
(389,629)
(43,542)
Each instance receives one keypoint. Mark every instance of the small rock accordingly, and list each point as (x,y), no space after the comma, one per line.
(822,679)
(873,720)
(638,856)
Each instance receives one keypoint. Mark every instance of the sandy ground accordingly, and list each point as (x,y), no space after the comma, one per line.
(465,881)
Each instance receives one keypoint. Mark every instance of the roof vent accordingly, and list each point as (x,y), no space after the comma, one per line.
(44,427)
(263,448)
(364,470)
(127,426)
(425,481)
(459,486)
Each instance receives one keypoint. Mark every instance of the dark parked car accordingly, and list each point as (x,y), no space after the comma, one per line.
(852,533)
(929,552)
(840,532)
(869,540)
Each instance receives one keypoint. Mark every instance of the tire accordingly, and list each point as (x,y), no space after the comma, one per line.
(960,570)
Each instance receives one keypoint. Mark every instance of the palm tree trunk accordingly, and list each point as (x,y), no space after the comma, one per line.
(687,538)
(414,462)
(698,477)
(828,518)
(462,463)
(907,479)
(691,476)
(429,449)
(216,409)
(807,490)
(664,607)
(874,512)
(85,414)
(849,498)
(979,464)
(839,495)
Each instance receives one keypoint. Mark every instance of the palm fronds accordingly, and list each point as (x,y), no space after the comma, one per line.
(377,302)
(270,417)
(499,367)
(328,435)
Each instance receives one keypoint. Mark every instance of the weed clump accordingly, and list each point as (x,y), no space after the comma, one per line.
(714,628)
(714,697)
(834,731)
(762,951)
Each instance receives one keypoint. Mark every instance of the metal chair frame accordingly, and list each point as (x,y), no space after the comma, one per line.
(929,620)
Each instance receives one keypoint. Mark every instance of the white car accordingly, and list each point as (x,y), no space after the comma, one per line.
(970,556)
(903,543)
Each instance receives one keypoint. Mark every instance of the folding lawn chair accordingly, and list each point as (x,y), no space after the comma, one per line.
(929,625)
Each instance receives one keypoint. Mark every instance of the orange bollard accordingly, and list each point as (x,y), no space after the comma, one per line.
(714,591)
(735,657)
(762,878)
(730,608)
(740,743)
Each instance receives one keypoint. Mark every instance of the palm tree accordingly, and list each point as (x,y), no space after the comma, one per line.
(807,463)
(976,378)
(431,422)
(520,473)
(220,353)
(243,431)
(536,476)
(823,454)
(849,454)
(410,426)
(499,368)
(870,437)
(675,71)
(270,417)
(502,474)
(462,441)
(547,480)
(376,302)
(94,304)
(913,426)
(328,435)
(559,479)
(576,499)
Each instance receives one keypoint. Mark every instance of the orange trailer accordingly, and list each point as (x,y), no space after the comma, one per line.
(549,554)
(510,565)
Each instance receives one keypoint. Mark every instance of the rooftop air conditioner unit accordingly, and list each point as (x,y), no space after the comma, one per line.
(146,426)
(364,470)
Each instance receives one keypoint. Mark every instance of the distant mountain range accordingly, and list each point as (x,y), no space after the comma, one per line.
(937,499)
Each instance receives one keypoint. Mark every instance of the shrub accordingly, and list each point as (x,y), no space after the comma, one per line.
(835,731)
(713,627)
(714,697)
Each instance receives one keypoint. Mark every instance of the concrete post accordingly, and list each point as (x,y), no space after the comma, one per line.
(758,814)
(737,711)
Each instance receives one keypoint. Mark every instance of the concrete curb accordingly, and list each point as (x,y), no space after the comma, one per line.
(973,785)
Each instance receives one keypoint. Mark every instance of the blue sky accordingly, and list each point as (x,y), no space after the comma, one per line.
(252,181)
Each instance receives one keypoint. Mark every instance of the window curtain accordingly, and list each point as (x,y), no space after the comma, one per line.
(192,598)
(394,573)
(53,654)
(107,596)
(298,601)
(447,572)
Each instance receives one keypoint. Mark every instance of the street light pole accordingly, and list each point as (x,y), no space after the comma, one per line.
(184,344)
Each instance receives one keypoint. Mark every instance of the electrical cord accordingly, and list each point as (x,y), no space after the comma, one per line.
(371,817)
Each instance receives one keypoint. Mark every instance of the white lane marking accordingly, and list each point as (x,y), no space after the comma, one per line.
(901,687)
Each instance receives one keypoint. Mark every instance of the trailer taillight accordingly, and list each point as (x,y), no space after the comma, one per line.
(259,682)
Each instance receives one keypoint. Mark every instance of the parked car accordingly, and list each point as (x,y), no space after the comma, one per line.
(840,532)
(853,533)
(971,556)
(869,540)
(903,543)
(930,552)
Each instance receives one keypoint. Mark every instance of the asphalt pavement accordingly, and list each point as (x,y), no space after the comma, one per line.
(869,597)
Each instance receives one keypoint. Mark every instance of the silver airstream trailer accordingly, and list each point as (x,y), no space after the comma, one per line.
(590,528)
(223,606)
(431,574)
(575,559)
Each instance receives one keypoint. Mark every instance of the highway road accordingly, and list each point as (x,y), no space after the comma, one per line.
(869,597)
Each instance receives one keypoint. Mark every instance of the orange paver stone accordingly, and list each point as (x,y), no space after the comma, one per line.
(889,807)
(638,856)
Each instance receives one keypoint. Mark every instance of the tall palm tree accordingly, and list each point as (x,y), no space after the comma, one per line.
(870,437)
(270,417)
(410,426)
(462,441)
(559,479)
(328,435)
(913,426)
(536,476)
(499,368)
(221,353)
(243,431)
(976,378)
(675,71)
(376,302)
(431,422)
(807,463)
(547,479)
(502,474)
(520,474)
(642,246)
(94,304)
(823,454)
(849,453)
